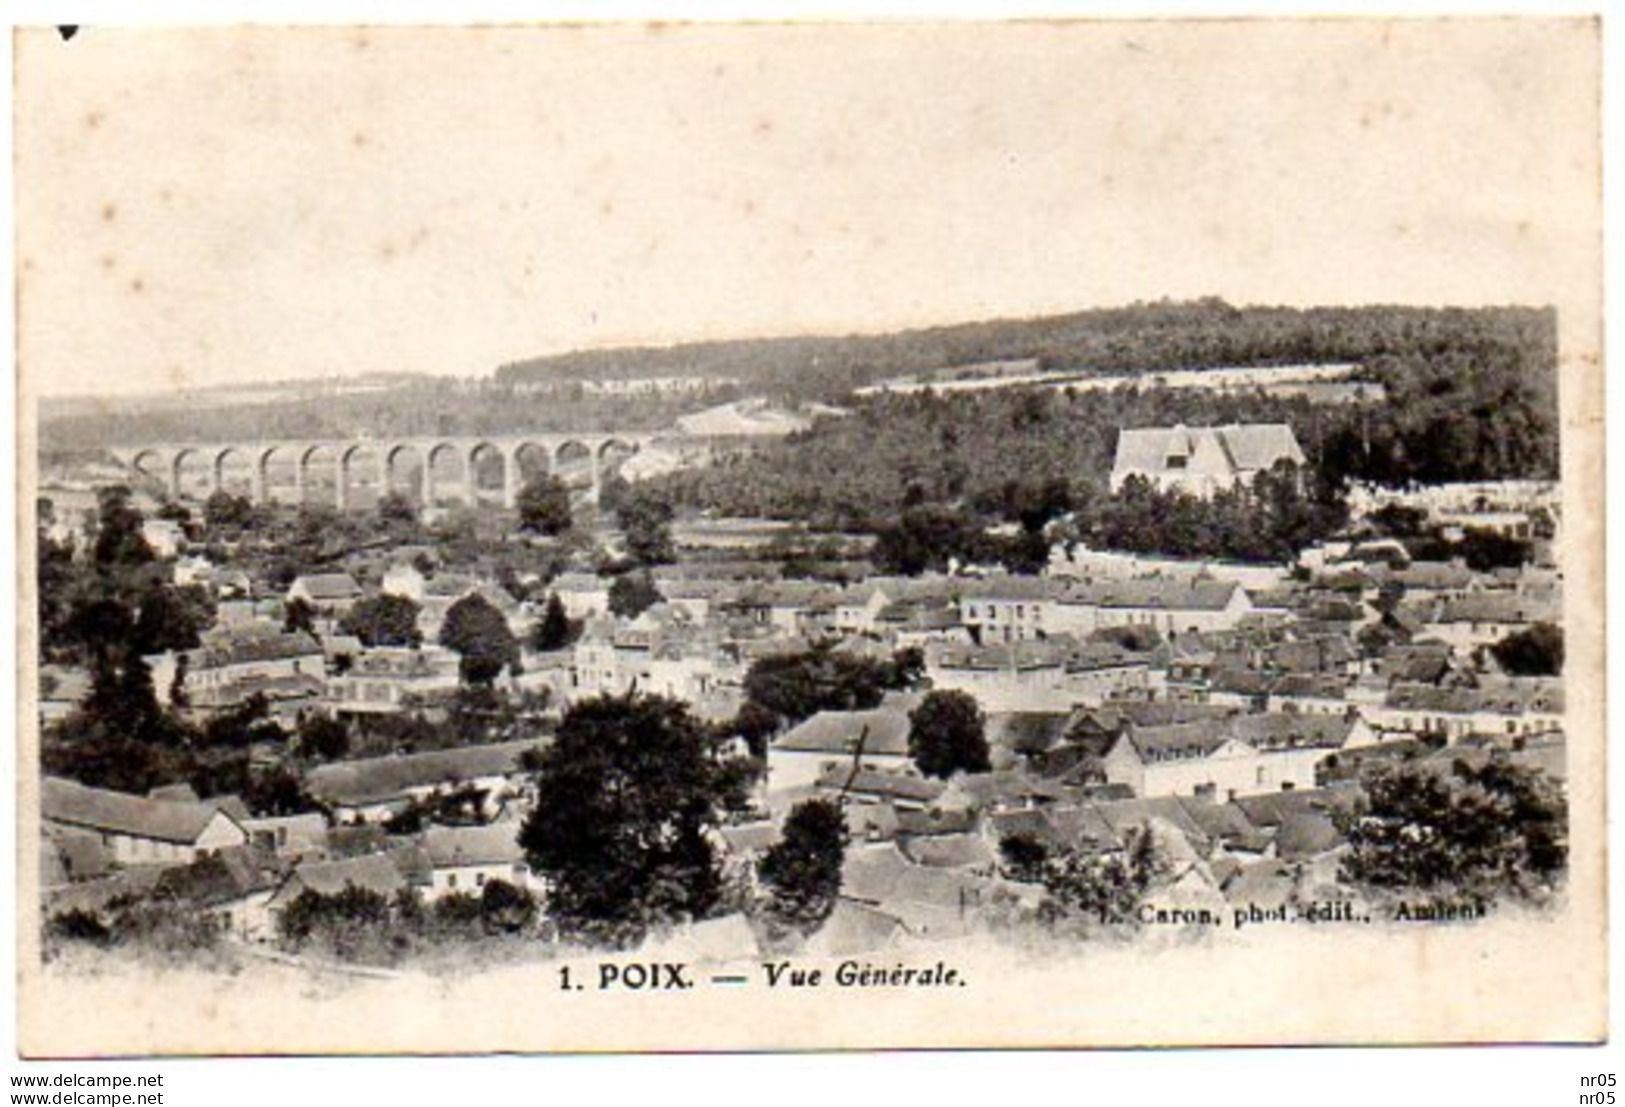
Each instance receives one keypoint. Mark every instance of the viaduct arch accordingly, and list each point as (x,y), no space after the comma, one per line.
(295,466)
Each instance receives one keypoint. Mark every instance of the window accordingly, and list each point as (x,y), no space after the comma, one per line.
(1177,461)
(451,880)
(1261,775)
(479,880)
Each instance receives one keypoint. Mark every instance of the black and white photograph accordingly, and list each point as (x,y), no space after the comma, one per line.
(726,537)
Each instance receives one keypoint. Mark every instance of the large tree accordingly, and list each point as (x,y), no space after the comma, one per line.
(802,870)
(383,620)
(553,631)
(797,685)
(1495,829)
(646,520)
(479,634)
(947,735)
(119,543)
(1537,651)
(544,505)
(631,594)
(224,511)
(626,796)
(171,618)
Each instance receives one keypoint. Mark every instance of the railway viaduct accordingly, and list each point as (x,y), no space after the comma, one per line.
(284,469)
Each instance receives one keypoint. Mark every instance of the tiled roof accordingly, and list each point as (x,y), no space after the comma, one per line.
(68,801)
(890,785)
(1152,594)
(1246,447)
(495,844)
(374,872)
(1177,741)
(838,732)
(378,779)
(328,586)
(241,643)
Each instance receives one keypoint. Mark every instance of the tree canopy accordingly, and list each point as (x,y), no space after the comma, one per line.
(802,870)
(645,517)
(554,630)
(384,620)
(479,634)
(947,735)
(544,505)
(1537,651)
(1497,829)
(631,594)
(626,794)
(795,686)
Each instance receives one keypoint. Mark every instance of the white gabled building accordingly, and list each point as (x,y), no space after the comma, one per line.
(466,858)
(1222,759)
(1167,606)
(1202,460)
(139,829)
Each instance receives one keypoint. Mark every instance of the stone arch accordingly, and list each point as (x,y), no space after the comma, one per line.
(183,487)
(435,454)
(149,467)
(571,451)
(487,469)
(346,494)
(415,484)
(622,446)
(321,483)
(530,459)
(237,478)
(612,454)
(275,468)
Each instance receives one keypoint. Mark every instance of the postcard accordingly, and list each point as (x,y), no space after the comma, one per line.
(714,536)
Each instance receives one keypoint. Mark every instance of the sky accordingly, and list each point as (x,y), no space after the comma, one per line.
(204,207)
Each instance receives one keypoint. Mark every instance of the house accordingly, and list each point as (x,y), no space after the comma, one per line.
(1168,606)
(329,593)
(463,859)
(1098,671)
(1202,460)
(1510,709)
(801,755)
(138,829)
(930,903)
(918,622)
(164,537)
(232,663)
(232,885)
(1022,675)
(385,680)
(696,597)
(1007,608)
(374,872)
(787,607)
(1484,618)
(1223,759)
(405,580)
(582,595)
(288,835)
(373,789)
(898,788)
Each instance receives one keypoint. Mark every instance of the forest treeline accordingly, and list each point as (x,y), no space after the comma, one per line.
(1141,337)
(994,453)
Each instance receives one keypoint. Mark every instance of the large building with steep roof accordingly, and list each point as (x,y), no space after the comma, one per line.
(1203,460)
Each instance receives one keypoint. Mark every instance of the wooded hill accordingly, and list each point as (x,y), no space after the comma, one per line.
(1142,337)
